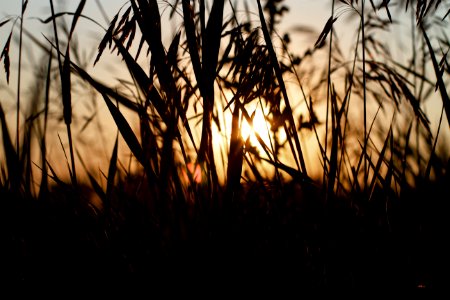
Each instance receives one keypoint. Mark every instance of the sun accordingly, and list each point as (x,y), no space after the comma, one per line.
(259,127)
(221,134)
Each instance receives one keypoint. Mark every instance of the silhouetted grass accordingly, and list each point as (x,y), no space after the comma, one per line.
(346,195)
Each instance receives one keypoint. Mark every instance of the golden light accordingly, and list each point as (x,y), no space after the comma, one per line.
(260,126)
(221,134)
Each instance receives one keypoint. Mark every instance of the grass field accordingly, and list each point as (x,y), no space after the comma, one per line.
(218,154)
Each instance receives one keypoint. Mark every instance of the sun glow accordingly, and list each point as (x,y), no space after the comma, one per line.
(252,125)
(194,170)
(260,126)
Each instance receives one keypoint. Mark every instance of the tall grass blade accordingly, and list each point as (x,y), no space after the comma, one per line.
(107,39)
(385,4)
(144,82)
(414,102)
(446,15)
(95,185)
(440,82)
(112,170)
(329,170)
(5,57)
(211,42)
(235,155)
(189,26)
(126,131)
(55,31)
(149,21)
(76,16)
(211,38)
(335,133)
(202,17)
(19,76)
(12,158)
(149,139)
(54,176)
(325,31)
(261,142)
(404,157)
(172,57)
(103,89)
(296,175)
(366,136)
(381,158)
(24,6)
(43,187)
(66,90)
(433,149)
(25,161)
(391,167)
(256,173)
(67,160)
(5,22)
(67,13)
(279,76)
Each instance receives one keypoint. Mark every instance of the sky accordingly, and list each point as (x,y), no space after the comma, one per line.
(302,14)
(9,7)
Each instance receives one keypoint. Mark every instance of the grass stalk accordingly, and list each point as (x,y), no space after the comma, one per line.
(291,131)
(330,48)
(440,82)
(64,69)
(363,44)
(19,75)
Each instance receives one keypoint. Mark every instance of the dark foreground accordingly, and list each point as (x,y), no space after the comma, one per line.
(288,239)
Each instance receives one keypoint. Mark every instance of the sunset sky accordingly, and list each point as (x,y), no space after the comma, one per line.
(304,22)
(302,13)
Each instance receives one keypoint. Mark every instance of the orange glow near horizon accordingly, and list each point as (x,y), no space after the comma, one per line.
(195,171)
